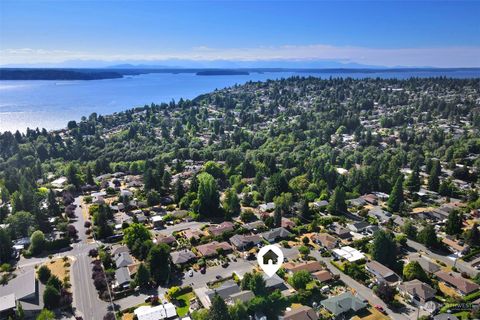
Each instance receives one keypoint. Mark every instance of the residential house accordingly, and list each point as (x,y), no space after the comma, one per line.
(255,226)
(211,249)
(160,312)
(340,231)
(122,278)
(193,234)
(343,303)
(323,275)
(288,224)
(242,296)
(244,242)
(310,266)
(275,282)
(378,213)
(227,289)
(427,265)
(170,240)
(266,207)
(157,222)
(218,230)
(182,256)
(123,260)
(320,204)
(300,313)
(348,253)
(417,291)
(325,240)
(456,246)
(24,288)
(357,202)
(371,198)
(276,234)
(358,226)
(455,280)
(381,273)
(8,306)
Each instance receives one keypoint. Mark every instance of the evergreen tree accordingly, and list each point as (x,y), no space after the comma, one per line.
(89,176)
(472,236)
(428,237)
(166,181)
(454,223)
(337,205)
(179,191)
(413,182)
(413,270)
(384,248)
(395,199)
(231,204)
(72,175)
(51,297)
(305,212)
(218,310)
(207,195)
(158,261)
(53,207)
(433,180)
(142,278)
(409,230)
(5,246)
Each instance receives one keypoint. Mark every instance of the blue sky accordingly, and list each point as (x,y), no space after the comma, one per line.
(433,33)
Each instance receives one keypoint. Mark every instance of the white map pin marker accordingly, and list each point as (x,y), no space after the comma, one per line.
(270,259)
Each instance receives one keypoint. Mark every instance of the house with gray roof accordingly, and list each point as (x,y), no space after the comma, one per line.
(381,273)
(426,264)
(182,256)
(122,278)
(242,296)
(123,259)
(254,226)
(243,242)
(24,287)
(224,291)
(417,291)
(7,306)
(276,234)
(343,303)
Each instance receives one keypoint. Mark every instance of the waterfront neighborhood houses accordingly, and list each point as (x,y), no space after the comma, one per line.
(369,191)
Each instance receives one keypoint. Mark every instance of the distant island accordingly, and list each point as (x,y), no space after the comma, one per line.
(56,74)
(222,72)
(117,72)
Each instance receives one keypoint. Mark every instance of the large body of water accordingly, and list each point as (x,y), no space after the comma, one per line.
(51,104)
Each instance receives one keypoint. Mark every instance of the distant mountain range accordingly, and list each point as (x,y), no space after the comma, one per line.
(201,64)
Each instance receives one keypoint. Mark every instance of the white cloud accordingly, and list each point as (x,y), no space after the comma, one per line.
(436,57)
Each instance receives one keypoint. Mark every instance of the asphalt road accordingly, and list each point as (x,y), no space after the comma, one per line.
(85,297)
(359,288)
(461,265)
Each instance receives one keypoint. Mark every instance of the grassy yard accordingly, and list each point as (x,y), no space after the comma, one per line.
(183,304)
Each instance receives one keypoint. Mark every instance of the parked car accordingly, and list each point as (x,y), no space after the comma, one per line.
(151,298)
(218,277)
(379,308)
(190,273)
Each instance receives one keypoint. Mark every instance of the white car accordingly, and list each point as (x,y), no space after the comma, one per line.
(190,273)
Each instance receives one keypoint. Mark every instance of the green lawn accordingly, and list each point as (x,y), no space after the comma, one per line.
(183,304)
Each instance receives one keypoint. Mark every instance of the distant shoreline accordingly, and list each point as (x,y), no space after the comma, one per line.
(60,74)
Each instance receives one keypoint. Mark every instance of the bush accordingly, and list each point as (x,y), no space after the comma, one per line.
(51,297)
(43,274)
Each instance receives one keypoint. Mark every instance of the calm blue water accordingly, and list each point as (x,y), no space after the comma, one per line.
(51,104)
